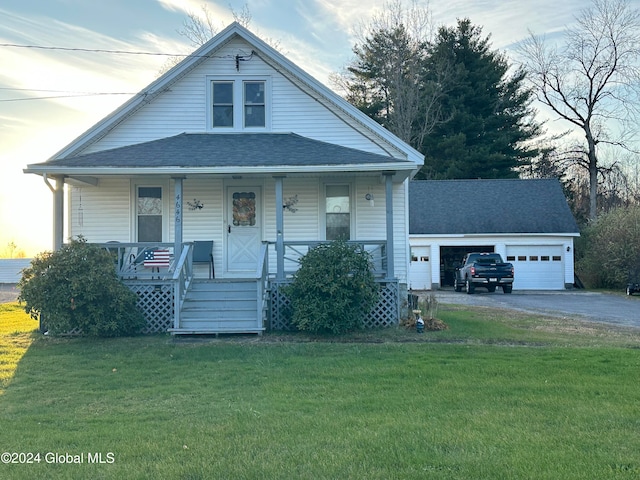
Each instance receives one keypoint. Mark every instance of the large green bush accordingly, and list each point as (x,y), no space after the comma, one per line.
(334,289)
(609,249)
(76,288)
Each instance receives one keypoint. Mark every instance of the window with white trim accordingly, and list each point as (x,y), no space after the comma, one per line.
(337,212)
(237,104)
(254,104)
(222,114)
(149,214)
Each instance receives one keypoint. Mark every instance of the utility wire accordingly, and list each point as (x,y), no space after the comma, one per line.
(97,94)
(117,52)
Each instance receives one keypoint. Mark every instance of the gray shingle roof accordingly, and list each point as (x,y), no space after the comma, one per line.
(226,150)
(489,206)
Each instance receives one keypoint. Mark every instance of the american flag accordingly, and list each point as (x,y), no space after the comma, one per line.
(156,258)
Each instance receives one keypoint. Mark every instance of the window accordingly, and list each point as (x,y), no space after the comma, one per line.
(237,104)
(511,258)
(254,105)
(522,258)
(557,258)
(533,258)
(338,212)
(544,258)
(149,214)
(222,94)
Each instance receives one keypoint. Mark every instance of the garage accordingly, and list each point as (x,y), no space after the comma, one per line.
(420,268)
(537,267)
(528,222)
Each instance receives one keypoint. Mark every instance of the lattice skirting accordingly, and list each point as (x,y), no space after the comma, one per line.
(384,314)
(156,304)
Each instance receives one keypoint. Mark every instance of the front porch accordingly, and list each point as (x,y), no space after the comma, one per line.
(175,297)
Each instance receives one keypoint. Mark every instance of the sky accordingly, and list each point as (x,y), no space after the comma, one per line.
(35,122)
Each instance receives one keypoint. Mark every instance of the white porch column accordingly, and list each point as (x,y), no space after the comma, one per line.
(279,230)
(58,213)
(178,198)
(389,214)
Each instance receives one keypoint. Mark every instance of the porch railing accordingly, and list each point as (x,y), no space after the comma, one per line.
(133,261)
(295,250)
(182,276)
(262,277)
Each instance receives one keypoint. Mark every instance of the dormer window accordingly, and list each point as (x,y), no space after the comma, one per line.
(238,104)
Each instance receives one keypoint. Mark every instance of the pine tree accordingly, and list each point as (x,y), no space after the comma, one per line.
(489,113)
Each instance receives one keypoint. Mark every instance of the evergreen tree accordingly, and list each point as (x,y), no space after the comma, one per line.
(490,119)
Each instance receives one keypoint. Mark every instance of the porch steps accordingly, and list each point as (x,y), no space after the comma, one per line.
(220,306)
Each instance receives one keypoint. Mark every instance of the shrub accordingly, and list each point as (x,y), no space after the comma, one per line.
(609,249)
(77,287)
(334,289)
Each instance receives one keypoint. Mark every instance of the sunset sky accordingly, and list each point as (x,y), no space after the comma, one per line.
(48,97)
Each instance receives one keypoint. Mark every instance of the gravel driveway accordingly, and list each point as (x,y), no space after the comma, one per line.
(575,304)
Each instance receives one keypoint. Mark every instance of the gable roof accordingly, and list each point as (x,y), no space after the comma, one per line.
(505,206)
(216,153)
(339,106)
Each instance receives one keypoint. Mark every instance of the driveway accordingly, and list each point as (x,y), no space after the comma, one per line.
(606,308)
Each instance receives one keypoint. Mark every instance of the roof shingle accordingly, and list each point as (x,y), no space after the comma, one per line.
(489,206)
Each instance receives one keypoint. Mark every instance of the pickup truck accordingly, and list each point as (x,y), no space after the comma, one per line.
(483,270)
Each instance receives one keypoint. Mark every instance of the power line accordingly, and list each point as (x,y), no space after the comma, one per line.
(71,95)
(116,52)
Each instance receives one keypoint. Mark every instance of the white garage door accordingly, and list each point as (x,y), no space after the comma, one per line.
(420,269)
(537,267)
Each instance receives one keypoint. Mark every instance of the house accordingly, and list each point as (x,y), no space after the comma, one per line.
(527,221)
(239,148)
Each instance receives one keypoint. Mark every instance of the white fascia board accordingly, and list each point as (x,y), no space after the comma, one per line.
(426,236)
(41,169)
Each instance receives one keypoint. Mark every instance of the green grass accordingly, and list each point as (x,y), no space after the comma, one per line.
(495,396)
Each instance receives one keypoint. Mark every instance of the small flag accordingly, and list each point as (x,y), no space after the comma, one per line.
(156,258)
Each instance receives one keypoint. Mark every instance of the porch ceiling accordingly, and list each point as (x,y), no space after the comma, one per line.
(225,153)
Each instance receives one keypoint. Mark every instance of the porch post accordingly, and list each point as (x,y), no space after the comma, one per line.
(58,213)
(388,177)
(279,230)
(177,234)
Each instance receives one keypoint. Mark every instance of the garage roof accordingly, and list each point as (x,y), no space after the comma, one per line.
(504,206)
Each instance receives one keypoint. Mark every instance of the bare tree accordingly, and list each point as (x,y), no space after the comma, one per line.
(592,80)
(387,79)
(201,27)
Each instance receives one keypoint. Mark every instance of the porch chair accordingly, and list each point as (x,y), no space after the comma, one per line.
(203,253)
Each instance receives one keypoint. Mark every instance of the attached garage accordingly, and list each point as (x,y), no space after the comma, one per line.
(527,221)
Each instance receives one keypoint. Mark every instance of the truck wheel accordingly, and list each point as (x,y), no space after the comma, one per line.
(470,287)
(491,288)
(507,288)
(456,285)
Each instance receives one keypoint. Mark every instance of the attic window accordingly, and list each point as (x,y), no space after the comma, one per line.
(222,93)
(254,105)
(238,103)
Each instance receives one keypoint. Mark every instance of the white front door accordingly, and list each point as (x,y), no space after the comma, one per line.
(244,232)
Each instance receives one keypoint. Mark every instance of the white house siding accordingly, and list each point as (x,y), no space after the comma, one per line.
(301,225)
(529,274)
(101,213)
(205,223)
(182,108)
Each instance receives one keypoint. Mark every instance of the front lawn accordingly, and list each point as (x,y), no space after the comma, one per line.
(495,396)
